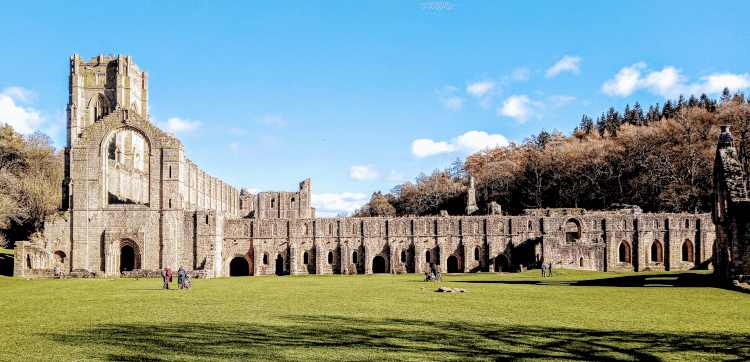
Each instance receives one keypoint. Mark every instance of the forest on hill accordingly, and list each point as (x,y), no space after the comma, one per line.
(661,160)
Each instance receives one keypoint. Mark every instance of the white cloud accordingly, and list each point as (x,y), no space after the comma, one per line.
(626,81)
(363,173)
(479,89)
(566,64)
(23,119)
(329,205)
(560,100)
(467,143)
(177,125)
(371,173)
(449,100)
(518,107)
(277,119)
(521,74)
(670,83)
(236,130)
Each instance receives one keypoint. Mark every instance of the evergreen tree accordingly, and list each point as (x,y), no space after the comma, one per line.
(638,114)
(653,115)
(726,96)
(668,111)
(693,102)
(586,124)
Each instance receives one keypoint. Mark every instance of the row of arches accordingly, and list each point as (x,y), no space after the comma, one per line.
(656,252)
(240,266)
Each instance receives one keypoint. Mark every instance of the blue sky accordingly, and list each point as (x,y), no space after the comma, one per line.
(362,95)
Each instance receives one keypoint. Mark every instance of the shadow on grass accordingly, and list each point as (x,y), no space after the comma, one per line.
(680,280)
(6,264)
(328,338)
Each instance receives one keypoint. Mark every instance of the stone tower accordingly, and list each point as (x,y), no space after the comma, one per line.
(100,86)
(471,198)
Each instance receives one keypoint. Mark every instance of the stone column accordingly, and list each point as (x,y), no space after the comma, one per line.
(366,259)
(394,258)
(320,257)
(344,258)
(257,260)
(418,257)
(468,254)
(293,261)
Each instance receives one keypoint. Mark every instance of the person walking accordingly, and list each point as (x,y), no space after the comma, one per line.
(166,274)
(550,269)
(181,278)
(544,270)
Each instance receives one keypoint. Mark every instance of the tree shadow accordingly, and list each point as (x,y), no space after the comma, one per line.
(6,264)
(679,280)
(304,337)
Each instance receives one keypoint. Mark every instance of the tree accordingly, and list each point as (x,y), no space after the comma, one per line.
(586,124)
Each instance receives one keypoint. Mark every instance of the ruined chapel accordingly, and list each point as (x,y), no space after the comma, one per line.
(133,204)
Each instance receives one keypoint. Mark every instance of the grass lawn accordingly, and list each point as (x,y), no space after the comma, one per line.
(577,316)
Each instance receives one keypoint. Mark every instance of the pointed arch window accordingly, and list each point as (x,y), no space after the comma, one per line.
(687,251)
(656,252)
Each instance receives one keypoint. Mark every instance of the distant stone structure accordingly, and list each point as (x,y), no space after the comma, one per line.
(731,211)
(134,204)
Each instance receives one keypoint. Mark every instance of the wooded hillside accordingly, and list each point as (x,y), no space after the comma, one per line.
(661,161)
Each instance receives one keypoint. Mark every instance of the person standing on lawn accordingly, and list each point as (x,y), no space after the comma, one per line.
(181,278)
(166,274)
(544,270)
(550,269)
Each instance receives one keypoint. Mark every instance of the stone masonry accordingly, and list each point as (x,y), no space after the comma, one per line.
(134,204)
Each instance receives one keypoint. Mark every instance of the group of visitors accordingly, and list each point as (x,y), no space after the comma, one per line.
(434,274)
(184,279)
(546,269)
(59,273)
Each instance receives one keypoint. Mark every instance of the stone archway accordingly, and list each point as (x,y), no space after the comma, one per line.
(239,267)
(127,258)
(378,264)
(453,264)
(501,263)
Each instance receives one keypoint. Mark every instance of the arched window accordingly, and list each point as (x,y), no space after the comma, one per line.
(265,259)
(273,203)
(305,258)
(581,264)
(624,252)
(206,219)
(354,228)
(530,226)
(687,224)
(427,256)
(572,230)
(291,204)
(306,230)
(624,224)
(656,252)
(354,257)
(476,253)
(330,257)
(403,256)
(330,229)
(687,251)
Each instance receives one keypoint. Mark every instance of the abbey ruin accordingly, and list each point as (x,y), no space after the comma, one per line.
(134,204)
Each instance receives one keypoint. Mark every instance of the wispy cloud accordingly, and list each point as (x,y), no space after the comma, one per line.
(448,99)
(270,142)
(560,100)
(330,205)
(521,74)
(566,64)
(465,144)
(23,119)
(670,82)
(236,130)
(518,107)
(371,173)
(236,147)
(277,119)
(177,125)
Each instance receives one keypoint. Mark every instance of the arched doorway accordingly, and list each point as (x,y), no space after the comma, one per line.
(656,254)
(687,251)
(127,258)
(501,263)
(378,265)
(624,252)
(453,264)
(239,267)
(59,257)
(279,265)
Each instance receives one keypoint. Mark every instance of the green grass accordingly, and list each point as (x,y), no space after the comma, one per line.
(577,316)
